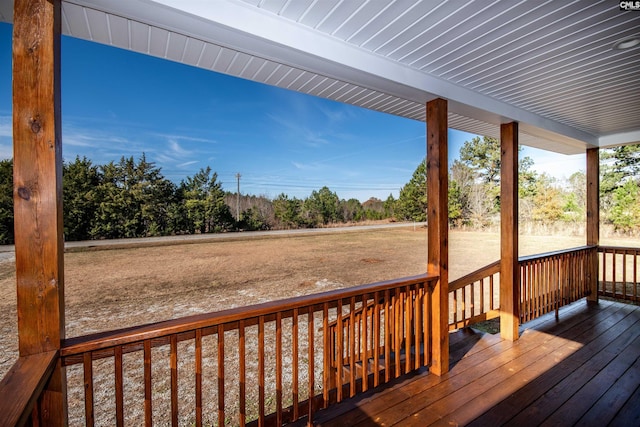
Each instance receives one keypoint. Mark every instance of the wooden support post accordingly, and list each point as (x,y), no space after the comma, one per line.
(37,191)
(509,268)
(593,218)
(438,237)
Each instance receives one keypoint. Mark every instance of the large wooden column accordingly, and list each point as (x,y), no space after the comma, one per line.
(509,268)
(593,217)
(37,190)
(438,238)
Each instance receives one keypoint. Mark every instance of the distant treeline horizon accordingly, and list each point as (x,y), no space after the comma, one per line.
(132,198)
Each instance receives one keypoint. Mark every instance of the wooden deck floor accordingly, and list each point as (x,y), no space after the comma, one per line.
(582,370)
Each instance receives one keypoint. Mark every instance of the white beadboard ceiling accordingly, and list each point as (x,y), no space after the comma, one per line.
(549,65)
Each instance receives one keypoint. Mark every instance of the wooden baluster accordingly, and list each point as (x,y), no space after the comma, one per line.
(221,415)
(426,331)
(525,292)
(88,389)
(242,373)
(482,291)
(557,273)
(311,368)
(537,273)
(532,294)
(340,350)
(376,338)
(198,355)
(326,347)
(541,288)
(418,323)
(294,356)
(174,379)
(635,276)
(363,338)
(119,382)
(407,328)
(546,281)
(352,348)
(397,330)
(474,309)
(279,368)
(148,409)
(624,274)
(464,303)
(261,420)
(455,307)
(614,282)
(491,293)
(604,272)
(387,336)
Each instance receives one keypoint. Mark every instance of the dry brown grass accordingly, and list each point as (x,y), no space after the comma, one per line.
(109,289)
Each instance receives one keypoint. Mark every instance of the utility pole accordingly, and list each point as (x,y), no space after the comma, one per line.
(238,198)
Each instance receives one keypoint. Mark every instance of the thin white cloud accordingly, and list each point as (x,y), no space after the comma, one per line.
(306,166)
(337,114)
(185,164)
(304,134)
(6,127)
(178,137)
(176,149)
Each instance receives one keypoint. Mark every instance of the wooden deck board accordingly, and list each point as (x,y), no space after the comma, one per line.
(581,370)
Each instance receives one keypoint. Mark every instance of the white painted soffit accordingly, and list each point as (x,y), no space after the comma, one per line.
(245,41)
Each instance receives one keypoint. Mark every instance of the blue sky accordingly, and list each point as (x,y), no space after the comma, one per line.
(117,103)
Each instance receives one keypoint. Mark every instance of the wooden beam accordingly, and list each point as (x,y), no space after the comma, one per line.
(509,268)
(37,191)
(593,217)
(438,237)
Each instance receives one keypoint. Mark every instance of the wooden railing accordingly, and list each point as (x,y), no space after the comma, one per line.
(475,297)
(618,277)
(21,388)
(547,282)
(551,280)
(263,364)
(280,361)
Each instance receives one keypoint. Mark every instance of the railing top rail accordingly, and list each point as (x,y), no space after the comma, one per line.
(134,334)
(554,253)
(474,276)
(602,248)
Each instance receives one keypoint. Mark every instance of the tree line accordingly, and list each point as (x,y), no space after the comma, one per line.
(131,198)
(474,190)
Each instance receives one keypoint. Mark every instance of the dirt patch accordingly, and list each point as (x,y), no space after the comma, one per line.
(371,260)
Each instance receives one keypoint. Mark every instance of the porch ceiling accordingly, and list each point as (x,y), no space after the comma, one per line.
(549,65)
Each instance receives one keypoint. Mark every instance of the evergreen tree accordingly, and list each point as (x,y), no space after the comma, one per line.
(389,206)
(6,202)
(135,200)
(412,202)
(625,212)
(204,206)
(80,179)
(287,211)
(323,207)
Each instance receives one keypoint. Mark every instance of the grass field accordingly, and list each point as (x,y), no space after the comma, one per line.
(109,289)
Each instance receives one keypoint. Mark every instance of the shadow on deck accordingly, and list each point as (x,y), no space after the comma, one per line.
(581,370)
